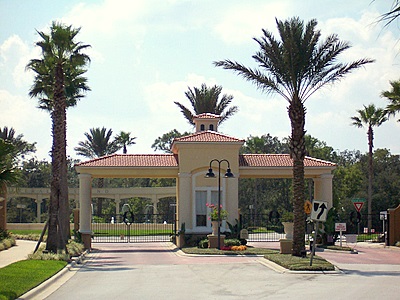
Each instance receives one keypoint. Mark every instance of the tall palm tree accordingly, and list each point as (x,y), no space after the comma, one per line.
(394,97)
(7,175)
(369,117)
(98,143)
(207,100)
(295,67)
(59,84)
(124,139)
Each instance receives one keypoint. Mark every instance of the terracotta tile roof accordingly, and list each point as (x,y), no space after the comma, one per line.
(208,136)
(207,116)
(133,160)
(278,160)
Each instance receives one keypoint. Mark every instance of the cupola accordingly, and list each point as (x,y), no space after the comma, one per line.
(206,121)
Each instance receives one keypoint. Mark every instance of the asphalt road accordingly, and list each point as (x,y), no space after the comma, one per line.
(157,271)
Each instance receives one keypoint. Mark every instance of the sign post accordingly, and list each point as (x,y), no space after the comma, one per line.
(319,210)
(340,227)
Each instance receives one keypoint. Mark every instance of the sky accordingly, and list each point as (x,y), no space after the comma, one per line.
(145,54)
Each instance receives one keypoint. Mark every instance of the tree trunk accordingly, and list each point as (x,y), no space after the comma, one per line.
(370,176)
(58,231)
(3,206)
(297,151)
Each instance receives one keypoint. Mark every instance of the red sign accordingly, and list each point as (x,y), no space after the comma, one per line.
(358,205)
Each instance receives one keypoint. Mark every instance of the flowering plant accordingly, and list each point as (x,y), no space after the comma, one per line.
(214,212)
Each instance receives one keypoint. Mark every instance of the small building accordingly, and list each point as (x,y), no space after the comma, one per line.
(192,157)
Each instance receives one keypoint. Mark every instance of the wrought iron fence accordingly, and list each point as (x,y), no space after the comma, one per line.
(263,227)
(268,227)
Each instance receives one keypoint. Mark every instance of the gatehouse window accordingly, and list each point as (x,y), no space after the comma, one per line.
(202,211)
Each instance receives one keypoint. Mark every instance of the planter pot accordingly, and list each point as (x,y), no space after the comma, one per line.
(214,227)
(288,228)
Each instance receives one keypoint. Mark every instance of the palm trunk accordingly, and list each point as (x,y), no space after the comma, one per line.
(3,206)
(59,207)
(297,150)
(370,175)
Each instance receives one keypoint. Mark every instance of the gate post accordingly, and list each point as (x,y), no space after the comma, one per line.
(85,212)
(394,225)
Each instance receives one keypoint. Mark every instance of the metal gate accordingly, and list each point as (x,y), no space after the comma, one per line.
(263,227)
(130,228)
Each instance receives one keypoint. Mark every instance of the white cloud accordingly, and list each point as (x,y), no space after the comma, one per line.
(244,21)
(15,54)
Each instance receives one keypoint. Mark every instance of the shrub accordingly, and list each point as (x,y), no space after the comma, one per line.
(232,242)
(74,248)
(4,234)
(203,244)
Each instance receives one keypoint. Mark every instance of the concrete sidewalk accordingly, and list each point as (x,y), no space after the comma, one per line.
(16,253)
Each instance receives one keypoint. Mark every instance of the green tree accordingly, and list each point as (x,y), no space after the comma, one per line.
(164,142)
(98,143)
(207,100)
(59,84)
(124,139)
(21,147)
(393,96)
(369,117)
(264,144)
(295,67)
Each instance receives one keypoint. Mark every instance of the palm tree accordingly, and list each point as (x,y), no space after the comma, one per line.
(59,84)
(394,97)
(98,143)
(124,139)
(22,147)
(370,117)
(295,67)
(392,14)
(206,100)
(7,175)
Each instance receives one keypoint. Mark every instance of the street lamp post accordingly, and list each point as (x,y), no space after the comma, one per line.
(228,174)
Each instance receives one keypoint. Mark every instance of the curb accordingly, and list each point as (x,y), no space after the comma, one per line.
(48,286)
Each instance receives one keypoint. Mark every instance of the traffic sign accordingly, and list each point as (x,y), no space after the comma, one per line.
(319,211)
(340,226)
(307,207)
(358,203)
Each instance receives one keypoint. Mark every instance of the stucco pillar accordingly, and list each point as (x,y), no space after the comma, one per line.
(154,203)
(117,204)
(323,189)
(184,200)
(232,197)
(38,207)
(85,212)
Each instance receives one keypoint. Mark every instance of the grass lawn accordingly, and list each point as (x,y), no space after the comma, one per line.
(295,263)
(285,260)
(20,277)
(25,231)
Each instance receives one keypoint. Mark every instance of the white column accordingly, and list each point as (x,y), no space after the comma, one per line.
(154,201)
(85,200)
(38,206)
(323,189)
(117,204)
